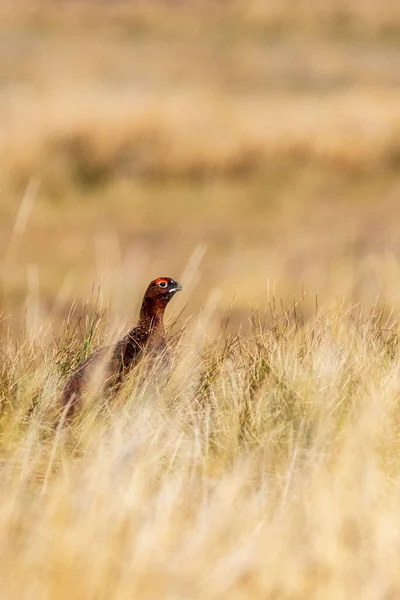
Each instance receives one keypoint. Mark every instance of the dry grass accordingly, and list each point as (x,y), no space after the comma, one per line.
(250,150)
(247,128)
(91,137)
(265,467)
(363,17)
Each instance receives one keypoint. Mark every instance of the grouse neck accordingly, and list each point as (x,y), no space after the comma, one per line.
(151,316)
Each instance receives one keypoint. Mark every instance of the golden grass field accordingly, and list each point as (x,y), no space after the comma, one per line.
(251,150)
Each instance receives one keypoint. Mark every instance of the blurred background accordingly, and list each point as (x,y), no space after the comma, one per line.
(247,148)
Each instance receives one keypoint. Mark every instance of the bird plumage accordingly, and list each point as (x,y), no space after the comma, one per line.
(111,365)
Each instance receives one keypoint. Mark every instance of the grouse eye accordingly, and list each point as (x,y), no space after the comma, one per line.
(163,284)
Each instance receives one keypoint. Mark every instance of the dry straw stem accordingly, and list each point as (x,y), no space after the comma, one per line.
(266,467)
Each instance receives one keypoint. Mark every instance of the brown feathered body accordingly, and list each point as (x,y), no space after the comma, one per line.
(111,365)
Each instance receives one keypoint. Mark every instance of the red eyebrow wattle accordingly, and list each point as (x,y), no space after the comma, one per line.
(160,279)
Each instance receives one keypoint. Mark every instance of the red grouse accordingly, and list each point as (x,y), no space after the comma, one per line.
(148,337)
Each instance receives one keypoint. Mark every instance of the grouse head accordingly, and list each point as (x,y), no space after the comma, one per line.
(163,289)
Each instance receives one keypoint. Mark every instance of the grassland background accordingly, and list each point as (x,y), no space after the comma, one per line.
(250,150)
(266,135)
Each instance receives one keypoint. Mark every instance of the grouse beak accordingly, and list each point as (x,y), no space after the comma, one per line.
(177,288)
